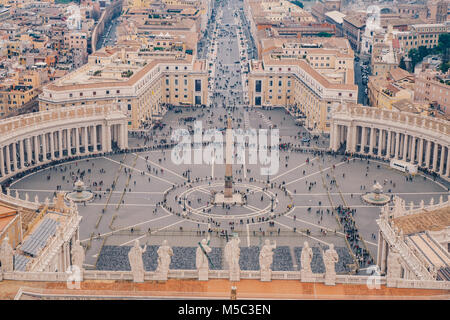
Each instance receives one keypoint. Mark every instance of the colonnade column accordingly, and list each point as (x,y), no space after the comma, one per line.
(413,149)
(396,147)
(44,147)
(86,141)
(52,146)
(36,149)
(8,159)
(69,142)
(447,171)
(94,138)
(388,146)
(60,143)
(405,147)
(77,140)
(380,142)
(29,153)
(420,155)
(371,140)
(2,163)
(441,166)
(363,139)
(14,156)
(125,136)
(22,153)
(435,156)
(428,154)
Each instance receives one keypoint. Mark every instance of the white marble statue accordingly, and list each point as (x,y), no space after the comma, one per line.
(266,259)
(6,256)
(136,262)
(165,254)
(306,258)
(266,255)
(232,254)
(201,260)
(36,199)
(78,255)
(330,258)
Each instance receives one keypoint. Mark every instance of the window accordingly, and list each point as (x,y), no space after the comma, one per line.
(107,91)
(198,85)
(280,83)
(258,85)
(167,82)
(198,100)
(81,94)
(129,107)
(117,91)
(257,101)
(94,93)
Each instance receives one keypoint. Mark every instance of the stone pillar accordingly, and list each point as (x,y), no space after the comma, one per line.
(69,142)
(77,141)
(2,163)
(104,138)
(60,143)
(413,149)
(52,146)
(371,140)
(36,149)
(333,137)
(8,159)
(94,138)
(363,139)
(405,147)
(420,154)
(447,171)
(397,145)
(349,145)
(22,154)
(108,138)
(428,154)
(380,142)
(388,146)
(435,156)
(44,146)
(125,135)
(86,141)
(14,156)
(441,165)
(29,153)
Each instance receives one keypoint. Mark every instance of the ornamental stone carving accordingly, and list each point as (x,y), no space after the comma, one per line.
(165,254)
(306,258)
(266,259)
(136,262)
(232,254)
(201,260)
(330,258)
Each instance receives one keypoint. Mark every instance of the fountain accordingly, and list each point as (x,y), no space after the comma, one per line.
(376,197)
(79,193)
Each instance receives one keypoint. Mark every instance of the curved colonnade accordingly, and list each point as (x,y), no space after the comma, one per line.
(35,139)
(387,134)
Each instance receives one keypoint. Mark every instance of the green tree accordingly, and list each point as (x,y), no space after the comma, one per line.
(402,64)
(297,3)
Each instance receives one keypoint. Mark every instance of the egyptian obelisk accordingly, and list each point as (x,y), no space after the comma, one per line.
(228,192)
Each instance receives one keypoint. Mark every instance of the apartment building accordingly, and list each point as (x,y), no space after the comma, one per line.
(433,88)
(307,77)
(140,84)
